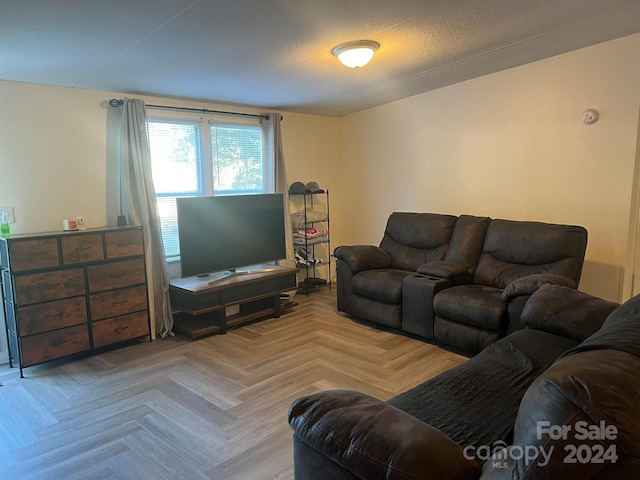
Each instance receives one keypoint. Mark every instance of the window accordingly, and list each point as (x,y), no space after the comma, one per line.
(199,157)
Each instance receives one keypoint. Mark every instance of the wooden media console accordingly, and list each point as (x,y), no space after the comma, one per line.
(207,306)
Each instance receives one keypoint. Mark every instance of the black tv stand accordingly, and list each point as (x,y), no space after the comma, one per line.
(210,306)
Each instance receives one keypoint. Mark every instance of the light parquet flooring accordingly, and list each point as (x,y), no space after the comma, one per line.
(214,408)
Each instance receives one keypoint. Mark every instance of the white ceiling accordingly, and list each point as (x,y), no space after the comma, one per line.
(276,54)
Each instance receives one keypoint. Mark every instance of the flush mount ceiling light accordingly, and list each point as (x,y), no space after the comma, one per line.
(355,54)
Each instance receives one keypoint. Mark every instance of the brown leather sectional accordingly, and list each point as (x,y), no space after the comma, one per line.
(556,399)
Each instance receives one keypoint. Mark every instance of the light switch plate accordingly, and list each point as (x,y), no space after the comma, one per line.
(8,214)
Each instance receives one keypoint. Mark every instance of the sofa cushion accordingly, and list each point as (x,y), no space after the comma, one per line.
(476,403)
(476,305)
(594,392)
(620,331)
(416,238)
(514,249)
(467,240)
(442,269)
(531,283)
(465,339)
(385,285)
(566,312)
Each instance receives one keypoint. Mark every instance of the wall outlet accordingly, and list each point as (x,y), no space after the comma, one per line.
(8,214)
(231,310)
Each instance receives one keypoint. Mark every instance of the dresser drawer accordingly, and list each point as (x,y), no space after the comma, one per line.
(86,247)
(47,346)
(51,315)
(33,254)
(116,275)
(126,243)
(42,287)
(118,329)
(118,302)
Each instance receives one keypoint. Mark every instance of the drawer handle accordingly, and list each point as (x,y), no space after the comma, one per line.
(118,275)
(117,304)
(50,285)
(83,248)
(37,254)
(120,329)
(54,315)
(124,244)
(58,344)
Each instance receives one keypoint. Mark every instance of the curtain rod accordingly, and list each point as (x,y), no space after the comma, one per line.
(115,102)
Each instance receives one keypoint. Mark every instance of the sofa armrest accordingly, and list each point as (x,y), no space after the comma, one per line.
(445,270)
(590,403)
(531,283)
(566,312)
(375,440)
(363,257)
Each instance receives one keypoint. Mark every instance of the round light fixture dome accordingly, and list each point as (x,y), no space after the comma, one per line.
(355,54)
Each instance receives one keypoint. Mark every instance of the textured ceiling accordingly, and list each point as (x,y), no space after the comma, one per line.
(276,54)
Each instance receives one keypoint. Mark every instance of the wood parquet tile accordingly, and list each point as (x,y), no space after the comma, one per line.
(214,408)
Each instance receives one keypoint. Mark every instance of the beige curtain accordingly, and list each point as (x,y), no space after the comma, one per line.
(274,161)
(130,192)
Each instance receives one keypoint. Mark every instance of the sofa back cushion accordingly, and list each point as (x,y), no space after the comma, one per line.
(566,312)
(583,405)
(514,249)
(467,240)
(416,238)
(620,331)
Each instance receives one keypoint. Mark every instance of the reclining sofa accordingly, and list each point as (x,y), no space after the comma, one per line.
(460,281)
(557,399)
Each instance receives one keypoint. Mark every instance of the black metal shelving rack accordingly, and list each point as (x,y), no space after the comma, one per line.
(312,263)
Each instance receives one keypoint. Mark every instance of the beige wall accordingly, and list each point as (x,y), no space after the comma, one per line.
(52,155)
(508,145)
(53,151)
(312,148)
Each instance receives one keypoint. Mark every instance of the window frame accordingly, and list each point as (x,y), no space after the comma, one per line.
(204,155)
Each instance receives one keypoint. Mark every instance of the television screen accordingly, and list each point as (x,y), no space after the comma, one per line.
(228,232)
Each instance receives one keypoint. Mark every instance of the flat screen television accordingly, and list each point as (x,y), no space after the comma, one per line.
(226,235)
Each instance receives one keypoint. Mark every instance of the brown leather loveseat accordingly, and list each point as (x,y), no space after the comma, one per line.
(461,280)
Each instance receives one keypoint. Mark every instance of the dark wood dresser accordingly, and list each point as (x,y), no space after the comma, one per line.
(71,292)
